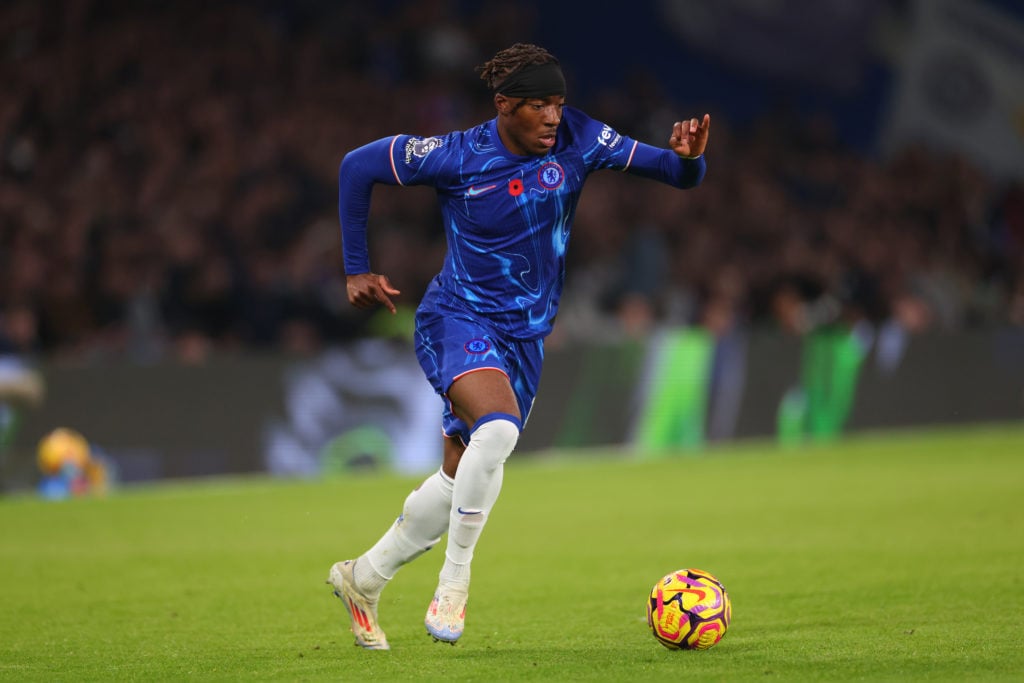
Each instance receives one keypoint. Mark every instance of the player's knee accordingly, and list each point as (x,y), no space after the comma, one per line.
(496,436)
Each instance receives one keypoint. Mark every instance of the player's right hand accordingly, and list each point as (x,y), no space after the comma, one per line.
(366,290)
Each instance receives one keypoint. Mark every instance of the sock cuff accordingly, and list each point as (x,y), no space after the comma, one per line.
(491,417)
(367,576)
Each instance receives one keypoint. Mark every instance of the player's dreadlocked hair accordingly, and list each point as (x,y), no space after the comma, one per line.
(511,59)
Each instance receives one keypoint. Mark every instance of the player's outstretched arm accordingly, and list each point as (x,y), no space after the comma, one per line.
(366,290)
(689,138)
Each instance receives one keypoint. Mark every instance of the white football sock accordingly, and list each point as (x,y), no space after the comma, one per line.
(477,485)
(423,521)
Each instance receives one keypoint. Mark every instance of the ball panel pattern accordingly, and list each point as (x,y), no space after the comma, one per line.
(689,609)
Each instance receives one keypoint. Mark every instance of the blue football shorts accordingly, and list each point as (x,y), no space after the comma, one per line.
(451,343)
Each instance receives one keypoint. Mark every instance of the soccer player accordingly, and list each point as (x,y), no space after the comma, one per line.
(508,190)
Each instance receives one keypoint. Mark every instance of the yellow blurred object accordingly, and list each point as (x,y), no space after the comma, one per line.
(60,448)
(97,477)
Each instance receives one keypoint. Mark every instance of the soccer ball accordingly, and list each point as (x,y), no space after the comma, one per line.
(688,610)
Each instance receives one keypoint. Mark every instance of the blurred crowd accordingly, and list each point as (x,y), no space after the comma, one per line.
(168,170)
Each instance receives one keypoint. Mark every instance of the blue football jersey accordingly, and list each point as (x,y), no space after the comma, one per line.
(506,217)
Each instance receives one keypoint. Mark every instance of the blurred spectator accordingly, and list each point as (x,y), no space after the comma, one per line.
(167,178)
(21,385)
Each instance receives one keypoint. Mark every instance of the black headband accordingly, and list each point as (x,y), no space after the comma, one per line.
(534,80)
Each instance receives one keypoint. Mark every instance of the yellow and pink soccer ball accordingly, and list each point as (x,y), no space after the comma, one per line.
(688,609)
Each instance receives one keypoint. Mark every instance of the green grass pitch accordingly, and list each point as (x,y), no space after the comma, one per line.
(882,557)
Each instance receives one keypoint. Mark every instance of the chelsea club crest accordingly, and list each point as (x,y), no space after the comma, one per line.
(550,176)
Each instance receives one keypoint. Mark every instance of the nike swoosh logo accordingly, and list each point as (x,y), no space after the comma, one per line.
(469,512)
(474,191)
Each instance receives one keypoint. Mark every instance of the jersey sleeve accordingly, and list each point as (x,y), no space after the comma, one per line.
(423,161)
(604,147)
(397,160)
(601,145)
(667,166)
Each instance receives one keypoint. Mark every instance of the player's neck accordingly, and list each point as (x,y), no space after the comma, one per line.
(507,141)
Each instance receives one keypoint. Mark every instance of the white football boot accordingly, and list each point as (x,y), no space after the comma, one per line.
(446,616)
(362,612)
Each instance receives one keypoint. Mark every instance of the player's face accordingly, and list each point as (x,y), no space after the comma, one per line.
(528,126)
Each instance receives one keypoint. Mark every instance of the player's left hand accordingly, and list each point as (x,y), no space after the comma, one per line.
(689,138)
